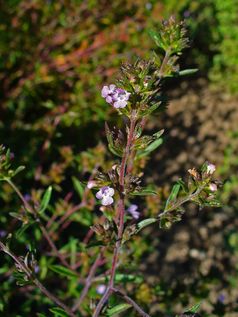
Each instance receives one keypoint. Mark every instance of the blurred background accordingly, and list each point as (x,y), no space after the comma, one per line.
(55,56)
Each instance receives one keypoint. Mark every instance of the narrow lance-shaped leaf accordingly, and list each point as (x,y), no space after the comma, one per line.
(153,145)
(144,223)
(188,72)
(144,192)
(63,271)
(58,312)
(173,195)
(45,200)
(194,308)
(117,309)
(19,169)
(78,186)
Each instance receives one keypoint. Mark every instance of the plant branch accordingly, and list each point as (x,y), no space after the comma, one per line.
(89,280)
(43,230)
(34,280)
(131,302)
(120,216)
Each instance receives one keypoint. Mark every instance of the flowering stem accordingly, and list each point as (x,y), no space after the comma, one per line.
(35,281)
(120,215)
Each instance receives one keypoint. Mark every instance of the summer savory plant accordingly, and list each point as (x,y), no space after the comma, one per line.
(136,95)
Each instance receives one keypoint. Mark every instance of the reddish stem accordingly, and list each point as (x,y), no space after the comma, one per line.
(121,212)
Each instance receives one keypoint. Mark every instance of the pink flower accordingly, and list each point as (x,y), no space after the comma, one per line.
(133,211)
(105,195)
(101,289)
(213,187)
(211,168)
(91,184)
(117,97)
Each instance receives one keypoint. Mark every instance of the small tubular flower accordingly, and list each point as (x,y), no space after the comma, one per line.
(133,210)
(105,195)
(101,289)
(117,97)
(211,168)
(213,187)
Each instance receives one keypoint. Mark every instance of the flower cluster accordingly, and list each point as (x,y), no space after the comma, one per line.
(105,195)
(117,97)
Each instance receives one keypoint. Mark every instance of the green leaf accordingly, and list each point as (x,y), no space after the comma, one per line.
(120,277)
(24,227)
(153,145)
(63,271)
(45,200)
(194,308)
(117,309)
(144,223)
(173,195)
(41,315)
(188,71)
(79,187)
(19,169)
(58,312)
(144,192)
(156,36)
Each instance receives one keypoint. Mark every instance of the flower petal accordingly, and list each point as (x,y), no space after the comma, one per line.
(110,191)
(135,214)
(109,99)
(99,194)
(107,200)
(105,91)
(120,104)
(132,208)
(112,88)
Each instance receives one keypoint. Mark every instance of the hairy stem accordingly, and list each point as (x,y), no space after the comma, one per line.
(120,216)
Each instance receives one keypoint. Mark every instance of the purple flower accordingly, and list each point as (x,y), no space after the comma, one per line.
(221,298)
(117,97)
(3,233)
(105,195)
(186,13)
(27,197)
(133,211)
(101,289)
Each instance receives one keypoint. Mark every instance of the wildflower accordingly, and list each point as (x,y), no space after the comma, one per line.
(105,194)
(101,289)
(3,233)
(211,168)
(117,97)
(27,197)
(213,187)
(91,184)
(133,211)
(221,298)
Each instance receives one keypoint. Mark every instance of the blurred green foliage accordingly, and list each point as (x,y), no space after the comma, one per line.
(54,58)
